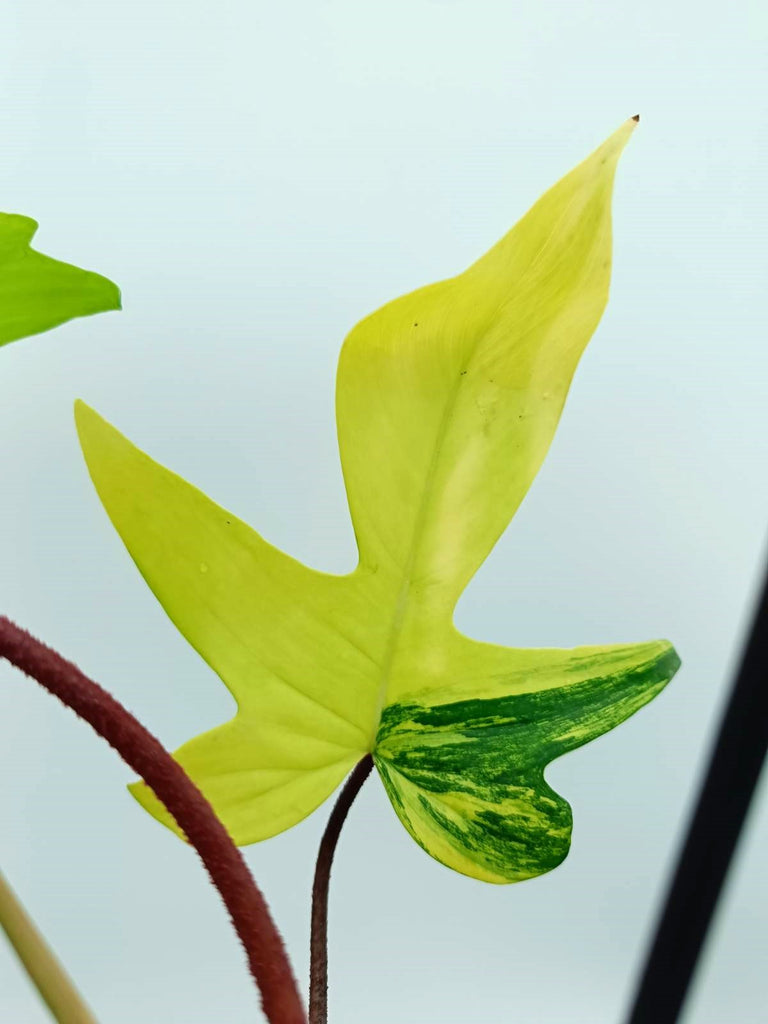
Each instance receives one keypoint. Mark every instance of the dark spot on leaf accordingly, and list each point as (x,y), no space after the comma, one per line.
(462,373)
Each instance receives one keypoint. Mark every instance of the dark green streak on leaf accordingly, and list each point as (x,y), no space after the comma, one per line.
(472,771)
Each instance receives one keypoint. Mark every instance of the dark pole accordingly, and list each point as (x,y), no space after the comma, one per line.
(722,806)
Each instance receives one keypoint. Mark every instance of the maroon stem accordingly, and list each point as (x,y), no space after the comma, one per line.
(224,863)
(318,961)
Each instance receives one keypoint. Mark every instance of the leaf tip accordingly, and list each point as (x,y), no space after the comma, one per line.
(115,297)
(670,657)
(104,295)
(84,416)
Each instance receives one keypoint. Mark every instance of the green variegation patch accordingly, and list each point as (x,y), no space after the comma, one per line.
(467,777)
(447,400)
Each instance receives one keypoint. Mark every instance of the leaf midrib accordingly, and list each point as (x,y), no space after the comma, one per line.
(407,580)
(401,603)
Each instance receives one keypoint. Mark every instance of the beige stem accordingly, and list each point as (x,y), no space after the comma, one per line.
(47,975)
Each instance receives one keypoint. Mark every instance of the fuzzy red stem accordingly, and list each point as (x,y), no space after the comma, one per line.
(224,863)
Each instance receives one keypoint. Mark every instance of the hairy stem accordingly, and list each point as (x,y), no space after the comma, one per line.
(318,963)
(228,871)
(40,962)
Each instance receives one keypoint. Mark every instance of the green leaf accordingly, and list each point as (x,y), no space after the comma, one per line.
(243,605)
(463,766)
(37,292)
(447,400)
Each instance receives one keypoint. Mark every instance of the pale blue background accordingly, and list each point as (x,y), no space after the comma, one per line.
(257,177)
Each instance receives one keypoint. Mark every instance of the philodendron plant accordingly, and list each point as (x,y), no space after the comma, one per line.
(447,400)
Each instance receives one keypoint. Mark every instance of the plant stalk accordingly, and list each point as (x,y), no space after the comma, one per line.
(40,962)
(318,963)
(224,863)
(713,835)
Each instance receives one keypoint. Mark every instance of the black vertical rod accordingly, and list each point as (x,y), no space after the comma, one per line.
(702,866)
